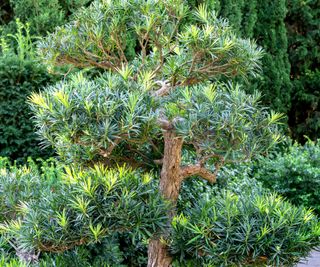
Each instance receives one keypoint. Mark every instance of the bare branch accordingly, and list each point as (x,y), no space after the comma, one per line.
(197,169)
(203,160)
(158,161)
(165,124)
(201,170)
(164,89)
(106,152)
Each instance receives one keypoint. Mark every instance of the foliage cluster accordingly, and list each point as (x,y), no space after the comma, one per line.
(20,75)
(22,184)
(103,217)
(255,223)
(294,173)
(96,215)
(56,211)
(299,36)
(21,72)
(289,33)
(124,112)
(228,229)
(85,120)
(263,21)
(119,115)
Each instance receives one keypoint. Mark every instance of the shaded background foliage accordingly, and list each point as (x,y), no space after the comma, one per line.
(293,173)
(43,15)
(21,72)
(303,28)
(17,79)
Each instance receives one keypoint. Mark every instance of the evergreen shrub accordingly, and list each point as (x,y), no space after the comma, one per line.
(17,80)
(239,222)
(243,229)
(42,15)
(103,217)
(20,75)
(169,91)
(110,213)
(294,173)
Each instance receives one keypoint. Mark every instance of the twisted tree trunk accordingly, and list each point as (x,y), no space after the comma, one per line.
(170,183)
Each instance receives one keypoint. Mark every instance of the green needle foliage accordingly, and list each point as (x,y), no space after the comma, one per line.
(246,229)
(80,123)
(104,217)
(99,38)
(80,208)
(223,119)
(85,120)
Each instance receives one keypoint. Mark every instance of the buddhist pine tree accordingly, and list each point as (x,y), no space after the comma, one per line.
(158,98)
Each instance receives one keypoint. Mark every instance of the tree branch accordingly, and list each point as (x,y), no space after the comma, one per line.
(203,160)
(201,170)
(158,161)
(197,169)
(165,124)
(106,152)
(164,89)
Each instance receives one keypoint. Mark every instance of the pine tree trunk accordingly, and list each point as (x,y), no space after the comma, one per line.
(170,183)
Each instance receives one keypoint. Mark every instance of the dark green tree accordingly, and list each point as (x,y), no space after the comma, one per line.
(303,25)
(270,31)
(43,15)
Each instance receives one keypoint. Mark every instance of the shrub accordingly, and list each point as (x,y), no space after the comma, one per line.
(101,217)
(19,184)
(162,94)
(243,229)
(294,173)
(17,80)
(118,209)
(20,75)
(43,15)
(4,261)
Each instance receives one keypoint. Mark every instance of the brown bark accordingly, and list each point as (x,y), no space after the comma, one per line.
(158,254)
(164,89)
(170,180)
(170,183)
(198,170)
(172,176)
